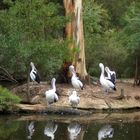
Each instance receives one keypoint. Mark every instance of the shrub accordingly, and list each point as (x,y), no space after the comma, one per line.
(7,99)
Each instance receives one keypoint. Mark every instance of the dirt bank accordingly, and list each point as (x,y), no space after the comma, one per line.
(91,98)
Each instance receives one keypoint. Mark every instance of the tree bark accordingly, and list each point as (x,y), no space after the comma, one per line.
(74,31)
(136,78)
(136,72)
(28,85)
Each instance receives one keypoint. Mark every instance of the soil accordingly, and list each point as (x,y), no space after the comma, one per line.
(91,98)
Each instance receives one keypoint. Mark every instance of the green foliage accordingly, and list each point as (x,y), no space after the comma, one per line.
(131,35)
(53,53)
(131,22)
(32,31)
(102,44)
(108,50)
(95,18)
(7,99)
(116,8)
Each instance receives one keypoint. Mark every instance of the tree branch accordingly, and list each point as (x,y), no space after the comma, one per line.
(5,75)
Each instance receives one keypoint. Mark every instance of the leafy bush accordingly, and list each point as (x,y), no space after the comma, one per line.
(7,99)
(32,31)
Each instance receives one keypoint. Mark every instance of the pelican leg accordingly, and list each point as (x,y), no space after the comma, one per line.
(104,90)
(76,108)
(32,83)
(48,105)
(78,90)
(33,88)
(107,92)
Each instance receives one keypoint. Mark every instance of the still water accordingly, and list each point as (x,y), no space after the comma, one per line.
(48,127)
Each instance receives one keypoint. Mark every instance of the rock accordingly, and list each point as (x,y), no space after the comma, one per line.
(35,100)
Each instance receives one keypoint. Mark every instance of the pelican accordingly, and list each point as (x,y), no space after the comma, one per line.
(74,99)
(111,74)
(31,130)
(34,74)
(50,129)
(76,83)
(74,130)
(51,95)
(107,84)
(105,132)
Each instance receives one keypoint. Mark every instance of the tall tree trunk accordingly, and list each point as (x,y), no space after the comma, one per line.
(74,31)
(28,85)
(136,72)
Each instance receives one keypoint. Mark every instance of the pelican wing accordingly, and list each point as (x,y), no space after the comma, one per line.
(55,97)
(80,84)
(110,84)
(32,75)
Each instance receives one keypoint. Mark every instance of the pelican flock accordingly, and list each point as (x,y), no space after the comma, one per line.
(51,95)
(106,83)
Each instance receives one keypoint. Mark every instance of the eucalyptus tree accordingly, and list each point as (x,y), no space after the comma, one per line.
(75,35)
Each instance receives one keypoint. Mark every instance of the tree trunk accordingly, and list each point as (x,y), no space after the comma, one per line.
(74,31)
(28,85)
(136,79)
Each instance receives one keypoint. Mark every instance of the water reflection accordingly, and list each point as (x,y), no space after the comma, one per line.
(74,129)
(50,129)
(31,129)
(105,132)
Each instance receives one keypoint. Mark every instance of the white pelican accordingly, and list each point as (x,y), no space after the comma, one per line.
(74,130)
(105,132)
(76,83)
(31,130)
(107,84)
(34,74)
(50,129)
(74,99)
(51,95)
(111,74)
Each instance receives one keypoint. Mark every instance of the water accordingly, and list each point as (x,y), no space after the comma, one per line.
(48,127)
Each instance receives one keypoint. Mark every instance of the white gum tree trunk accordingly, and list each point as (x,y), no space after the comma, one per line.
(74,31)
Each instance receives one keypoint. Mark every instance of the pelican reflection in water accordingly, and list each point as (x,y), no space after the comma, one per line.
(105,132)
(31,130)
(74,130)
(50,129)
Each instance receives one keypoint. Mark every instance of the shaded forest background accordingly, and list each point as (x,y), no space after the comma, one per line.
(34,30)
